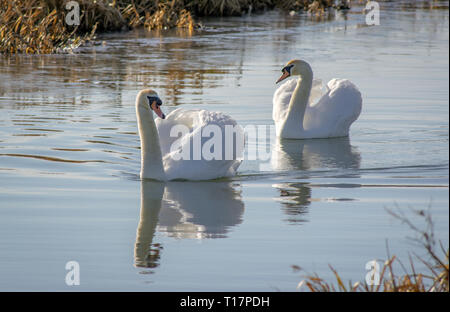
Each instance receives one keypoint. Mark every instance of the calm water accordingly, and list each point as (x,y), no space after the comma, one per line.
(69,156)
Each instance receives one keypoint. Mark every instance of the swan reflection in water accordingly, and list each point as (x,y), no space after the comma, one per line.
(193,210)
(336,153)
(305,156)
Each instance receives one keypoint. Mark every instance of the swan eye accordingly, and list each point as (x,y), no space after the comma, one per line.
(151,99)
(287,69)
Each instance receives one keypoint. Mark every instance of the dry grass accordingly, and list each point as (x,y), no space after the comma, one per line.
(433,279)
(38,26)
(33,27)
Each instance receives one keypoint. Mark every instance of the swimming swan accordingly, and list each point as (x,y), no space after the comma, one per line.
(167,155)
(298,116)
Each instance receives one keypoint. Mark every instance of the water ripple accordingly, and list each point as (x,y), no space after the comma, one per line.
(49,158)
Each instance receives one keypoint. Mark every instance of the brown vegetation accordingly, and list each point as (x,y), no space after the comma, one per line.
(38,26)
(433,279)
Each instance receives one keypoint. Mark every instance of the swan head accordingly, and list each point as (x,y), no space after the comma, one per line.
(148,98)
(295,68)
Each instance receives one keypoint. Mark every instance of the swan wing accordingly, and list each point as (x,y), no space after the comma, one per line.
(317,91)
(166,130)
(281,99)
(182,158)
(336,110)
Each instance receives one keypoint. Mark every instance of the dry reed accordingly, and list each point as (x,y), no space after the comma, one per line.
(38,26)
(433,279)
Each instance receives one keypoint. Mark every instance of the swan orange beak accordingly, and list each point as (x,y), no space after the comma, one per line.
(283,76)
(156,108)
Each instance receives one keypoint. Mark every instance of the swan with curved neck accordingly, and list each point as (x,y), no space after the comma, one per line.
(151,157)
(157,156)
(297,117)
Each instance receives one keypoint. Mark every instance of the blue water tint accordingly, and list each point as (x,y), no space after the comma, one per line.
(70,156)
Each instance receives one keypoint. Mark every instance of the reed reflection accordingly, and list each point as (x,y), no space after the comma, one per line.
(305,156)
(172,61)
(194,210)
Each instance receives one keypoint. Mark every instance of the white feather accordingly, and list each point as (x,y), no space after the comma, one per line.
(329,112)
(197,169)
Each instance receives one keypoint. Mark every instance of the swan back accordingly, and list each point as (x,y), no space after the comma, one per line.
(189,119)
(195,140)
(336,110)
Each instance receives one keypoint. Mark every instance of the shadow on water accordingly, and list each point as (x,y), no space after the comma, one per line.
(194,210)
(303,156)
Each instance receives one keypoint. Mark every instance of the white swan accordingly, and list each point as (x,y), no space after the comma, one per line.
(161,153)
(298,116)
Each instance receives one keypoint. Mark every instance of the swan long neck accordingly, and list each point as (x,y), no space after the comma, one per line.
(151,157)
(300,98)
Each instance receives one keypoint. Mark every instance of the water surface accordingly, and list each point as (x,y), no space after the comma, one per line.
(69,156)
